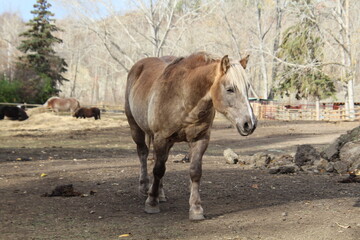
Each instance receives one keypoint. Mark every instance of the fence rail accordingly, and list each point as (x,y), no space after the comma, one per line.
(280,112)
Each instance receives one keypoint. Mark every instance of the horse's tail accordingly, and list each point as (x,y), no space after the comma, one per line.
(148,140)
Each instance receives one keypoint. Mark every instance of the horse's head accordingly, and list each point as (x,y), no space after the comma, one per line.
(229,94)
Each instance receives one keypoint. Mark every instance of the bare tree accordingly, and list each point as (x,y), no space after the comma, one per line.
(147,28)
(340,31)
(343,14)
(102,42)
(10,26)
(261,36)
(280,6)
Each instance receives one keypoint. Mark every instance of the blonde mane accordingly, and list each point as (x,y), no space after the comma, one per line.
(236,76)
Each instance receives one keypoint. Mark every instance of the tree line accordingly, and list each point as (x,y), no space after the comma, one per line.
(38,71)
(300,49)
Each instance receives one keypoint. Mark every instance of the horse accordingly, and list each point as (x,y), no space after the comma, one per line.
(13,113)
(87,113)
(175,102)
(62,104)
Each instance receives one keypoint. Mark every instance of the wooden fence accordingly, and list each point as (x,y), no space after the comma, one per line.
(280,112)
(262,111)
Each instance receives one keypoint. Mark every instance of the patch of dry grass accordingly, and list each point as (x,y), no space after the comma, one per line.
(41,122)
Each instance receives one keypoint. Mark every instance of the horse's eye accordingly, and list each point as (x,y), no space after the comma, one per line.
(230,90)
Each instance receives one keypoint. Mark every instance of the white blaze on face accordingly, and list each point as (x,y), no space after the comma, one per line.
(237,77)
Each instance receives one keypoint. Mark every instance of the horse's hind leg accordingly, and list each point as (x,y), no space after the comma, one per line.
(161,148)
(149,142)
(138,136)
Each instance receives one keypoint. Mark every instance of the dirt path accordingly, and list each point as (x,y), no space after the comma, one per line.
(238,204)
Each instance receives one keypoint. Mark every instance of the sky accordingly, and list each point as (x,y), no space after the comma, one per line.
(23,7)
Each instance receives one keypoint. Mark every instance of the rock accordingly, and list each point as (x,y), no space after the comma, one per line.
(281,160)
(309,168)
(286,158)
(355,165)
(230,156)
(341,167)
(321,164)
(330,167)
(331,153)
(306,155)
(261,160)
(283,169)
(274,170)
(350,152)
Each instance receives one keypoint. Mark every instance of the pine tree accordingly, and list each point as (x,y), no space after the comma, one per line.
(40,58)
(302,47)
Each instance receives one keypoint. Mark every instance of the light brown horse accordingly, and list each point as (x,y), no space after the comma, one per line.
(62,104)
(174,102)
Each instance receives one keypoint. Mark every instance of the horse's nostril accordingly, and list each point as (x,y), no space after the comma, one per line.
(246,126)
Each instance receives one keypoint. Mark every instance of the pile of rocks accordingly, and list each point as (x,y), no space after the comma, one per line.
(341,156)
(275,163)
(344,153)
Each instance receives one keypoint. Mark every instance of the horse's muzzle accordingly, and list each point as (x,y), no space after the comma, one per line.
(246,128)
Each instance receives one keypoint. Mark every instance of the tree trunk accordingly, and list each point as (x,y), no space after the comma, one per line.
(73,87)
(9,68)
(275,64)
(343,8)
(350,85)
(261,48)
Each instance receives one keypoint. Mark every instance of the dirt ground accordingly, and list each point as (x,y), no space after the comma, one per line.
(99,159)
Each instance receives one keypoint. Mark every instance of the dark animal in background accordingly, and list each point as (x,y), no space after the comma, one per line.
(13,113)
(88,113)
(292,107)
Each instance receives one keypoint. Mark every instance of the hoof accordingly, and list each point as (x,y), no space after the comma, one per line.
(152,205)
(196,217)
(152,209)
(196,214)
(162,199)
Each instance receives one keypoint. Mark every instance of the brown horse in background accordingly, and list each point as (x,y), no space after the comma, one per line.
(174,102)
(87,113)
(62,104)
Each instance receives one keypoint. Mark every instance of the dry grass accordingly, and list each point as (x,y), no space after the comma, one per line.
(42,122)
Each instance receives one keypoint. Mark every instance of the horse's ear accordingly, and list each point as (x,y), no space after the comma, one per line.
(244,61)
(225,64)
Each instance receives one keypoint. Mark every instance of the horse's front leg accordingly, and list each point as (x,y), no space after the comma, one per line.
(196,153)
(161,149)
